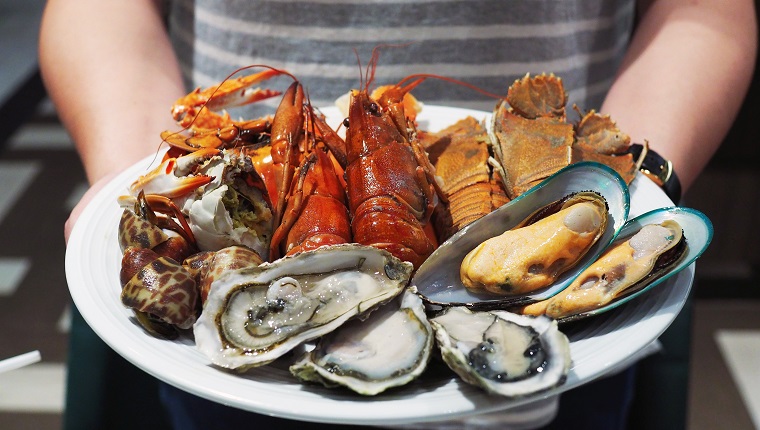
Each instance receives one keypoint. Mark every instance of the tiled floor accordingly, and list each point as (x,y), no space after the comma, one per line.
(40,179)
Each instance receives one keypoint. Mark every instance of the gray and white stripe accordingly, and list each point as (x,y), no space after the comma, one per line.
(489,43)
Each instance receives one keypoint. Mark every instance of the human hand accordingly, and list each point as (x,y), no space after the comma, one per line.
(83,202)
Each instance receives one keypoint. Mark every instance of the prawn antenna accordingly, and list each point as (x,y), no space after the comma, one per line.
(419,77)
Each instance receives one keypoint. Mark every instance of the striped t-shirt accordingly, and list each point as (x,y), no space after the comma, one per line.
(489,43)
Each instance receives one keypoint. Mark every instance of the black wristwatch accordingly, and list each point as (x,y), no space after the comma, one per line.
(657,169)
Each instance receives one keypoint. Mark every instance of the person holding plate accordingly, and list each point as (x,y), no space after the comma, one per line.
(673,73)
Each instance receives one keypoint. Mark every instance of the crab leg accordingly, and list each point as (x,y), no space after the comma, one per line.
(230,93)
(228,133)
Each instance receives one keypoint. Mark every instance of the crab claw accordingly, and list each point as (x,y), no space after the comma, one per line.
(238,92)
(172,177)
(218,135)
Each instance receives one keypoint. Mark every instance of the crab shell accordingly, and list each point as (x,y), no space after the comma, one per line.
(217,226)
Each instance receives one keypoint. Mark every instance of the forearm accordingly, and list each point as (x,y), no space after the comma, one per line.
(110,70)
(684,78)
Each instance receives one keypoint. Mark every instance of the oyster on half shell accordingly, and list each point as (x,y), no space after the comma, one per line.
(253,316)
(389,348)
(504,353)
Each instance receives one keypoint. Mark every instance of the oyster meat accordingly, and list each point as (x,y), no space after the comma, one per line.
(254,315)
(532,255)
(502,352)
(390,348)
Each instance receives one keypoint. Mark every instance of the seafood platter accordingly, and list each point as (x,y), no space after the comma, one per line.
(413,262)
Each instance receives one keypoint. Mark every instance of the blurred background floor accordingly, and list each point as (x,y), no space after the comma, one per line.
(41,179)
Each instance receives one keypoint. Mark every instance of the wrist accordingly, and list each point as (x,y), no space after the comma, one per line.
(658,169)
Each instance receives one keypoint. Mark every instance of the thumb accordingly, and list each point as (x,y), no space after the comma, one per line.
(83,202)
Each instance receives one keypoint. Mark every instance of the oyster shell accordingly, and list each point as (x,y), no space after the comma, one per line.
(388,349)
(649,249)
(253,316)
(438,279)
(532,255)
(504,353)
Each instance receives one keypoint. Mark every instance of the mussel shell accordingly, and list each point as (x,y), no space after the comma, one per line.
(438,279)
(697,232)
(529,264)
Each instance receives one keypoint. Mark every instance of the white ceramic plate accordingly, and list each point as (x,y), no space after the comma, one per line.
(598,346)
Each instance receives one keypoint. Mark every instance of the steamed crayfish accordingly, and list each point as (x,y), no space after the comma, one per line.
(390,182)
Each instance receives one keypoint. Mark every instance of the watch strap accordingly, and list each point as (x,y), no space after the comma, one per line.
(658,169)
